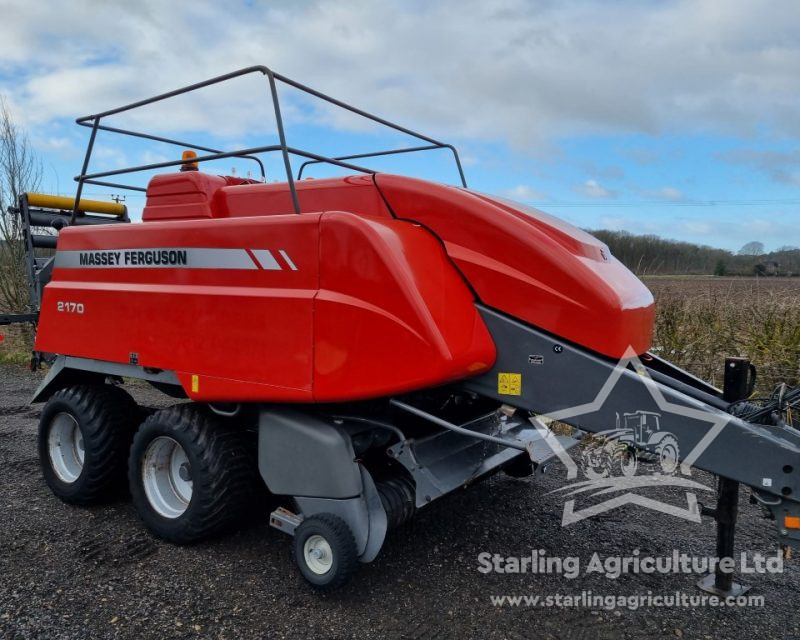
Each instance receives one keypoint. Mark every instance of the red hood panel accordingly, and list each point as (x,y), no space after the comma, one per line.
(532,266)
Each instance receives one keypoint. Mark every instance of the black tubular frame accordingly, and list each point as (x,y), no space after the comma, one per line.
(93,122)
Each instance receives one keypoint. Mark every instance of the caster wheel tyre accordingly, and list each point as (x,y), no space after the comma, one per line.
(325,551)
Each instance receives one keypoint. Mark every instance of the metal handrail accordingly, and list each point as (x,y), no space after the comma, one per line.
(372,154)
(219,156)
(93,122)
(177,143)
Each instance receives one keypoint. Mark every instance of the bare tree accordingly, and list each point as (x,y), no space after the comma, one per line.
(20,171)
(753,248)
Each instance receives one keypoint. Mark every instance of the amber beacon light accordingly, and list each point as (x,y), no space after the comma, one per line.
(189,163)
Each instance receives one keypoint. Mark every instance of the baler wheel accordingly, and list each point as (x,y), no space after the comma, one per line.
(325,551)
(84,435)
(190,475)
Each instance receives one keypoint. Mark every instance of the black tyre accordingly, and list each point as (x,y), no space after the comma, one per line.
(190,475)
(325,551)
(85,432)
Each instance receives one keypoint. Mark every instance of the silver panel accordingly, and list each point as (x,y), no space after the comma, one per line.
(156,258)
(447,460)
(64,364)
(266,259)
(301,455)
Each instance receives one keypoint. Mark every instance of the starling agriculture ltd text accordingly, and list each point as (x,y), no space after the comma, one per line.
(612,567)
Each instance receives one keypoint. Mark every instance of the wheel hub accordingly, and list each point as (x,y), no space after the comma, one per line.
(65,447)
(185,472)
(167,477)
(318,554)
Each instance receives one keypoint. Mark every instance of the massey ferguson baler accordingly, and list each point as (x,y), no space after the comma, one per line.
(361,345)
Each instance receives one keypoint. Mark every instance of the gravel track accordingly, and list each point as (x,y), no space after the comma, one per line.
(69,572)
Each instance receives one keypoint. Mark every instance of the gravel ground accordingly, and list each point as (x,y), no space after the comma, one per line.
(68,572)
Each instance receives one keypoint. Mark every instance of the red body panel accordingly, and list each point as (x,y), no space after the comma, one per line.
(349,309)
(216,323)
(392,314)
(189,194)
(201,195)
(533,266)
(354,193)
(343,302)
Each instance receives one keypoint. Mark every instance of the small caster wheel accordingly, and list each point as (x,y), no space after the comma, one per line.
(325,551)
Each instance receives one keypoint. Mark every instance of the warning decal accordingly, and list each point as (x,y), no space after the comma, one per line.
(509,384)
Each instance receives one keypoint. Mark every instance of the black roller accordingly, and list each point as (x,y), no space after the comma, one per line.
(44,242)
(398,498)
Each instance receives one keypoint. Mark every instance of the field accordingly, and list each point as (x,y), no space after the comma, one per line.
(15,347)
(700,320)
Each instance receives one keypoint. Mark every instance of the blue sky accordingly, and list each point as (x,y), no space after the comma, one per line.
(679,118)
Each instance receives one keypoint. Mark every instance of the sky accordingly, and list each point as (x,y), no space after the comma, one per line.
(677,118)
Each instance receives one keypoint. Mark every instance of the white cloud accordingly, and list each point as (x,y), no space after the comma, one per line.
(698,228)
(516,70)
(603,171)
(613,223)
(761,225)
(593,189)
(58,146)
(107,157)
(523,192)
(670,193)
(642,156)
(664,193)
(151,157)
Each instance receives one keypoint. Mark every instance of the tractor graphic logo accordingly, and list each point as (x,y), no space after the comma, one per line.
(613,461)
(637,437)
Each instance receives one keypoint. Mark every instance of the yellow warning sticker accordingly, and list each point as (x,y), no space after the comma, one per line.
(195,383)
(509,384)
